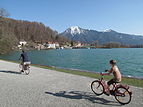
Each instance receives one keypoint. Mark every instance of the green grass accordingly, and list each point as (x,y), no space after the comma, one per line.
(125,80)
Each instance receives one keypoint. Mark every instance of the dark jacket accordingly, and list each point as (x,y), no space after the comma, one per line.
(24,57)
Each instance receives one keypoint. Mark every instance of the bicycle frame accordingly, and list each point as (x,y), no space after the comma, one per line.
(103,82)
(115,85)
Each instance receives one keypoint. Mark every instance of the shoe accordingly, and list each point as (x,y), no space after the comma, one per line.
(21,71)
(107,92)
(112,92)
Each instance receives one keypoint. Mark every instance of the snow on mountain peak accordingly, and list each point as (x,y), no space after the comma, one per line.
(75,30)
(108,30)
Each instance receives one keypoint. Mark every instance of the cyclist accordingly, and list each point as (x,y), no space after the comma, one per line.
(116,73)
(25,61)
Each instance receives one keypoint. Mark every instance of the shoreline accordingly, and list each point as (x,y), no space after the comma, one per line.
(137,82)
(72,69)
(128,76)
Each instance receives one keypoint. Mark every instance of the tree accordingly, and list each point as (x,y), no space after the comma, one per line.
(95,43)
(12,31)
(72,43)
(112,45)
(3,13)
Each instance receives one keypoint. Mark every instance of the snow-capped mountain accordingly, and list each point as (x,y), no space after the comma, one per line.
(74,30)
(109,30)
(89,36)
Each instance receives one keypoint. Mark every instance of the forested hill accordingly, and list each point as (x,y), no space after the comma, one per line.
(12,31)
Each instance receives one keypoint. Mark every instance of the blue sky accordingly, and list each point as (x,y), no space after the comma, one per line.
(120,15)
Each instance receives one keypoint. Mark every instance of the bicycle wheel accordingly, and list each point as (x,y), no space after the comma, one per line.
(97,87)
(20,67)
(122,95)
(27,71)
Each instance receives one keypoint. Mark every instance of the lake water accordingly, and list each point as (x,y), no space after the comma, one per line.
(129,60)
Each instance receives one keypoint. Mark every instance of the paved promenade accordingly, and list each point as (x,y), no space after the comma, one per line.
(48,88)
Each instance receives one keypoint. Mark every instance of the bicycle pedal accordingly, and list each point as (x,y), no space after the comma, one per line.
(107,94)
(112,92)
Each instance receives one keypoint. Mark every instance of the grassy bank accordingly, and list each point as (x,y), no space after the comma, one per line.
(126,80)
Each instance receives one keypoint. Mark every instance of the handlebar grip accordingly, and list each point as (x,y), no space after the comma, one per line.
(106,70)
(101,73)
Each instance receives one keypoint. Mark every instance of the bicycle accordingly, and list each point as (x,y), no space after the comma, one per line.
(24,67)
(121,92)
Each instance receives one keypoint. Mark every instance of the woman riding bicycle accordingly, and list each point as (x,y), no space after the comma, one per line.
(116,73)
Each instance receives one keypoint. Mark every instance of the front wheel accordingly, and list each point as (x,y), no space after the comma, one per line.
(122,95)
(20,67)
(97,87)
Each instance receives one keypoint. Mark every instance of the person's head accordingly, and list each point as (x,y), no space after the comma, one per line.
(113,62)
(23,51)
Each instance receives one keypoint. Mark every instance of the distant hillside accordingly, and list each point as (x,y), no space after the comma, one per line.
(90,36)
(12,31)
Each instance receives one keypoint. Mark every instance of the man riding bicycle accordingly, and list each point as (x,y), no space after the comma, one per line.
(25,61)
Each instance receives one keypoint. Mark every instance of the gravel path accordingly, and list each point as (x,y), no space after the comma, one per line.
(48,88)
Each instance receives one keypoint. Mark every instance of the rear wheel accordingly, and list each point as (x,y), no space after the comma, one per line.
(27,71)
(97,87)
(122,95)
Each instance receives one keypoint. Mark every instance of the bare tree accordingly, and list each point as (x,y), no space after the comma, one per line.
(3,13)
(113,45)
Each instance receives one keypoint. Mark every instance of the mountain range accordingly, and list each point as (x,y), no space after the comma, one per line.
(78,34)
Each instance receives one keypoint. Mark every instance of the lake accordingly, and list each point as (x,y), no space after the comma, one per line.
(129,60)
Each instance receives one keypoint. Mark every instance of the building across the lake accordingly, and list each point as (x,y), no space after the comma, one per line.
(47,45)
(21,44)
(53,45)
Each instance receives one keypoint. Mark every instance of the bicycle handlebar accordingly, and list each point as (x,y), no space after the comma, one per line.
(102,74)
(106,70)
